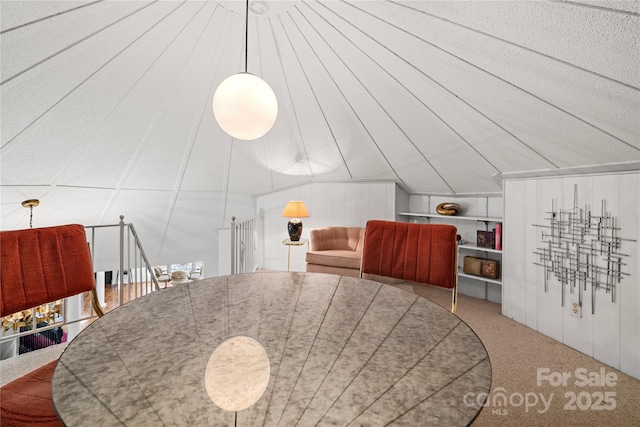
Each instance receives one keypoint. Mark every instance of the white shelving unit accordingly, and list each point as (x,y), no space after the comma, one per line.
(481,279)
(466,246)
(478,248)
(470,218)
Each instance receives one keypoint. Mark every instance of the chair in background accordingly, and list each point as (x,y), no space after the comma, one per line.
(38,266)
(195,275)
(162,277)
(424,253)
(178,277)
(335,250)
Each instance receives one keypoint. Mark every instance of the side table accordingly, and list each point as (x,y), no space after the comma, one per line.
(288,243)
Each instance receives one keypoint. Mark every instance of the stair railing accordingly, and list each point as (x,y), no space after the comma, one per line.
(133,263)
(246,241)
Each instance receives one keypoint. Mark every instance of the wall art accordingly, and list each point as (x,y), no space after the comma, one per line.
(582,250)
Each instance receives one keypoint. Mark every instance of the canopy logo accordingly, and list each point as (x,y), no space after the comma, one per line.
(500,401)
(593,398)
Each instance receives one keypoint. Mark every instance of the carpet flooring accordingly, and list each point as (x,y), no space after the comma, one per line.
(527,369)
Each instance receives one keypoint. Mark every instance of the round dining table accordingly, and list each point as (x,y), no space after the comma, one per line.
(333,351)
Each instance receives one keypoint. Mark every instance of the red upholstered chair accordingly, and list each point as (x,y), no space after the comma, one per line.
(424,253)
(37,266)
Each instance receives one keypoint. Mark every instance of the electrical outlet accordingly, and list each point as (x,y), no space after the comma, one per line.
(576,309)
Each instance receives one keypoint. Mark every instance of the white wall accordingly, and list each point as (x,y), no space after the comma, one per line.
(610,335)
(224,251)
(337,204)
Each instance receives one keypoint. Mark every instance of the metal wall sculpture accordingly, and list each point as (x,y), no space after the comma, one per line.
(582,250)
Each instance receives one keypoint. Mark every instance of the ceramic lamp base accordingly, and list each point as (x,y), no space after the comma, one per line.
(294,227)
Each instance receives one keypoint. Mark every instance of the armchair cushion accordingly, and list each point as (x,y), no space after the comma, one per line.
(26,401)
(335,258)
(337,238)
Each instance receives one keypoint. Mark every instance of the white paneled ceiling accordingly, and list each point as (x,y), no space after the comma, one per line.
(106,105)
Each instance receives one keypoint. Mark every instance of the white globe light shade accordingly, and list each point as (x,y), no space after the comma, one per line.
(245,106)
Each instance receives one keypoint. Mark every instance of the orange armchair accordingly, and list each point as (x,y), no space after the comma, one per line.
(335,250)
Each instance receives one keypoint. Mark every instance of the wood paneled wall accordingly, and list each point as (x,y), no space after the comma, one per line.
(611,334)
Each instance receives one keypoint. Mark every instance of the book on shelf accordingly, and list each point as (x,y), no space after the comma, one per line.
(498,237)
(485,239)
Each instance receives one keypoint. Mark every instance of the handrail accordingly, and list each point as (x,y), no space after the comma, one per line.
(246,234)
(139,255)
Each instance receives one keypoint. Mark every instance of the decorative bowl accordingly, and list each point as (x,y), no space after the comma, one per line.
(448,208)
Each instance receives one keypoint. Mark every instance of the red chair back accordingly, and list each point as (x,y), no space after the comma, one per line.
(40,265)
(424,253)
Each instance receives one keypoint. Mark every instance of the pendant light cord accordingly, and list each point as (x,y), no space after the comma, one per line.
(246,37)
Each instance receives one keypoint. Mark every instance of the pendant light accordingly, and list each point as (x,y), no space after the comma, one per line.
(244,105)
(31,203)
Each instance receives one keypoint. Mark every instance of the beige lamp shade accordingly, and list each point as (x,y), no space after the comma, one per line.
(245,106)
(295,209)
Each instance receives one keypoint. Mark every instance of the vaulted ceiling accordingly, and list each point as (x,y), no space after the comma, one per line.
(106,105)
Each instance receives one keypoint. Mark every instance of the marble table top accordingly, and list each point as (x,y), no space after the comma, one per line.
(341,351)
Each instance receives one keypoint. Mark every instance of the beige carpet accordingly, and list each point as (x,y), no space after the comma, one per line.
(15,367)
(517,352)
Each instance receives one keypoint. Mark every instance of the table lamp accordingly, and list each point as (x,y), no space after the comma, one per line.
(295,210)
